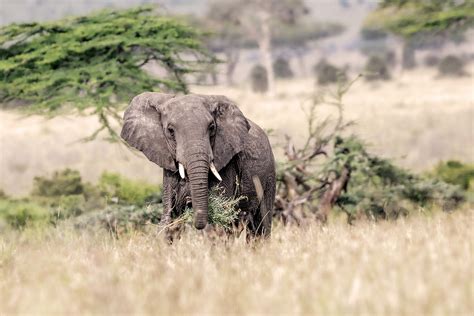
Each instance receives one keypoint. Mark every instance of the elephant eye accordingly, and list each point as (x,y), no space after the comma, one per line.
(212,128)
(171,131)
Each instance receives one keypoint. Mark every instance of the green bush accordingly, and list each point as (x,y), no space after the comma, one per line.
(451,66)
(125,191)
(327,73)
(65,196)
(282,68)
(455,172)
(376,68)
(64,182)
(223,212)
(380,189)
(20,214)
(259,80)
(70,206)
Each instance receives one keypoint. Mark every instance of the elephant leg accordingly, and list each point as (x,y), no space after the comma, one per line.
(261,223)
(169,183)
(267,210)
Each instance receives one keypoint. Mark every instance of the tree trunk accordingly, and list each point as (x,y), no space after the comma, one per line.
(232,58)
(265,44)
(408,58)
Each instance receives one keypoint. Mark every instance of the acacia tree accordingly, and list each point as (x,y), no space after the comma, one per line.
(413,20)
(95,62)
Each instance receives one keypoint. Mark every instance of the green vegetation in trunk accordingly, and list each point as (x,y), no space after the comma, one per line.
(223,211)
(95,62)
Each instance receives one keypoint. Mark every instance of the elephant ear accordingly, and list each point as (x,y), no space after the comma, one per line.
(231,130)
(142,128)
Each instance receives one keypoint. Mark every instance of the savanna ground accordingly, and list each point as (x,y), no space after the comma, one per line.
(418,265)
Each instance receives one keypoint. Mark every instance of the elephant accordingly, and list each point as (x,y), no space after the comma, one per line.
(203,141)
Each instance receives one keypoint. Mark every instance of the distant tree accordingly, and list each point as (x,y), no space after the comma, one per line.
(451,66)
(376,69)
(294,38)
(282,68)
(223,21)
(414,20)
(327,73)
(95,62)
(259,79)
(253,20)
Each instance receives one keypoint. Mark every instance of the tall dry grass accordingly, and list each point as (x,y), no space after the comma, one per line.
(421,265)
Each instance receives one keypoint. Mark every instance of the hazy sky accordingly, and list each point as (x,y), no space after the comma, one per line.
(343,11)
(42,10)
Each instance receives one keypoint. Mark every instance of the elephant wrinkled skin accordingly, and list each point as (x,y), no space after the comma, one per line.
(203,141)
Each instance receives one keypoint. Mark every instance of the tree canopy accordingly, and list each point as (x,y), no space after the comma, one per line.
(95,61)
(408,18)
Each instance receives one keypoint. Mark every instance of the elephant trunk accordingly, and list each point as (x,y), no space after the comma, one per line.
(198,172)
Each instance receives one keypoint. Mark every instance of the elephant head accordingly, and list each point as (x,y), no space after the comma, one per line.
(196,133)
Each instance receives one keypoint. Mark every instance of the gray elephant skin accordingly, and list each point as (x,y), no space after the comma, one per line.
(202,141)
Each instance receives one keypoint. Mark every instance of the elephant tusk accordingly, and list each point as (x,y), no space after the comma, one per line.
(214,171)
(181,170)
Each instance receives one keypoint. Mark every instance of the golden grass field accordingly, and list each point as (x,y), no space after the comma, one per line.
(420,265)
(416,120)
